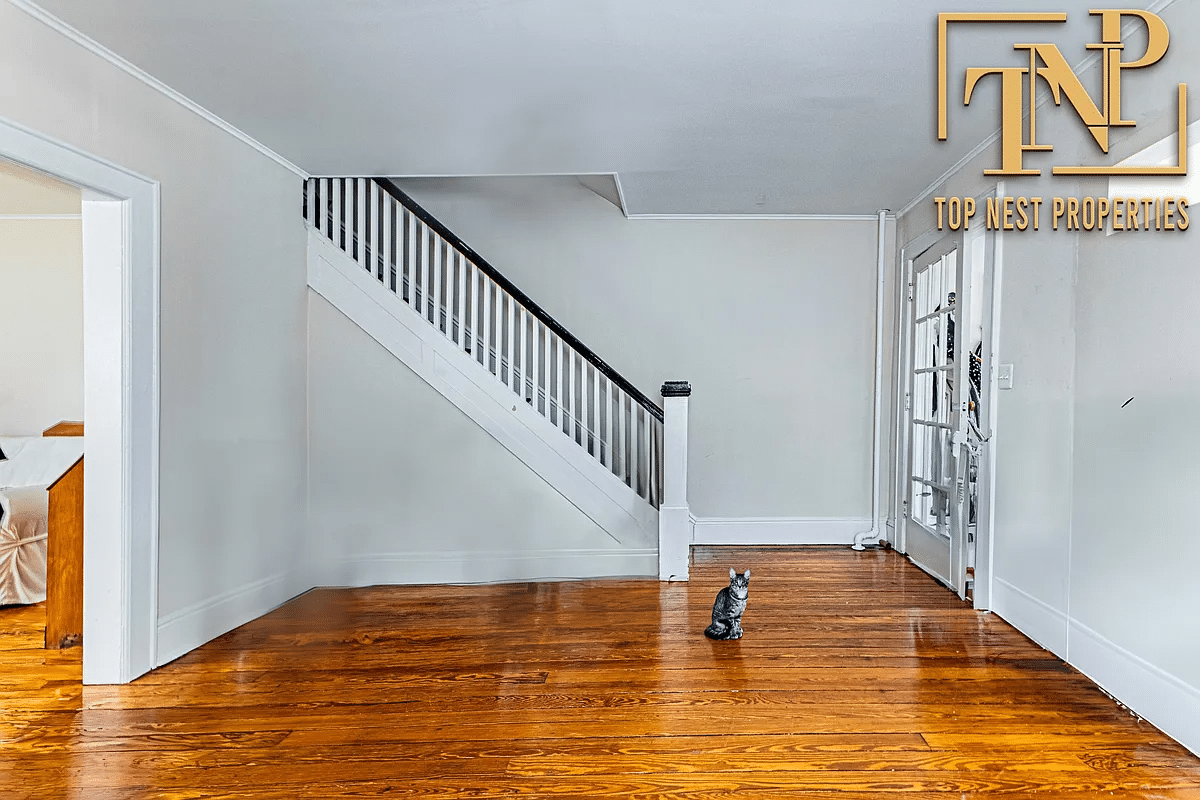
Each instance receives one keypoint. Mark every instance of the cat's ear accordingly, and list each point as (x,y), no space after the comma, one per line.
(732,573)
(747,574)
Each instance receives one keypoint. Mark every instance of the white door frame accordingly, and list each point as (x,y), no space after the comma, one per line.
(121,401)
(986,531)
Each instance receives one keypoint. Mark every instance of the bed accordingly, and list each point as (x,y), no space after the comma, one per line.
(29,466)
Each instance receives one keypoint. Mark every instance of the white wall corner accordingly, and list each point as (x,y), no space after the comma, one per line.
(190,627)
(1153,694)
(778,530)
(1041,622)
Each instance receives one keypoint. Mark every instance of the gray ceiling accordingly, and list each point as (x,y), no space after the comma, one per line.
(788,106)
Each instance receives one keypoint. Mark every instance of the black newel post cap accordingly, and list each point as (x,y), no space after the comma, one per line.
(676,389)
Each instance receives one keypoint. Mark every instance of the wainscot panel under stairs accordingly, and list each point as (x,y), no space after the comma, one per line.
(447,315)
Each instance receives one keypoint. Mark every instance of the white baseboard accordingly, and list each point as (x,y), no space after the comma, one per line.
(1157,696)
(376,569)
(1036,619)
(777,530)
(190,627)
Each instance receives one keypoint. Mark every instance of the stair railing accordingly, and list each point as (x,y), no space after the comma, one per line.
(414,256)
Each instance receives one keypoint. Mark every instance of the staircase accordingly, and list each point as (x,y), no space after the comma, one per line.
(451,317)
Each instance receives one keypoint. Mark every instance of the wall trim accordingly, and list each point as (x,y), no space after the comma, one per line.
(184,630)
(778,530)
(120,218)
(91,45)
(1157,696)
(1037,619)
(481,566)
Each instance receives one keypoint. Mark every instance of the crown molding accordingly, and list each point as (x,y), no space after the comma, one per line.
(91,45)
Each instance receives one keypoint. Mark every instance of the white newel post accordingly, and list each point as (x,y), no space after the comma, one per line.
(674,521)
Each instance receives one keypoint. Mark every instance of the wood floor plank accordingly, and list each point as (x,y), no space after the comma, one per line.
(858,677)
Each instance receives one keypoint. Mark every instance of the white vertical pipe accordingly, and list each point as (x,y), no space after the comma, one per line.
(674,518)
(863,538)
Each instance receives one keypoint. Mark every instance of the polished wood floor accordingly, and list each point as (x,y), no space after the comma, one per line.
(858,677)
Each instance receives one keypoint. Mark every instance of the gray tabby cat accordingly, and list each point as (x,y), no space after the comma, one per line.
(727,610)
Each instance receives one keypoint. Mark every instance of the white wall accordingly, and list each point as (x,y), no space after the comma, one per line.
(1093,558)
(233,461)
(41,302)
(772,321)
(405,488)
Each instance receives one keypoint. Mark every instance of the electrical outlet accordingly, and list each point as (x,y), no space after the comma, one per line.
(1004,376)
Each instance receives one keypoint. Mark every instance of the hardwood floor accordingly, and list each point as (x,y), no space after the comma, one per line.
(858,677)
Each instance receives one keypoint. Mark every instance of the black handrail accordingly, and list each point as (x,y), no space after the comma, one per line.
(524,299)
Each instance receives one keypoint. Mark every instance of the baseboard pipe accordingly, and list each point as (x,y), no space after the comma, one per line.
(872,537)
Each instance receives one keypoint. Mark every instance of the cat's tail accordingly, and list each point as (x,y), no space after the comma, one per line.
(715,631)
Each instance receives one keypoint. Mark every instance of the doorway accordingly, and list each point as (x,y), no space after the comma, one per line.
(120,214)
(947,386)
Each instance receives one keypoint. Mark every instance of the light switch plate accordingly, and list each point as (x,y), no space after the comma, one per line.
(1004,376)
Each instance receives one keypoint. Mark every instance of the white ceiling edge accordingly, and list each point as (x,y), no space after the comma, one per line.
(91,45)
(1085,63)
(728,216)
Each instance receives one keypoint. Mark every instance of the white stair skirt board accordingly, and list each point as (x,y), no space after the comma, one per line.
(378,569)
(539,444)
(777,530)
(187,628)
(1157,696)
(1038,620)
